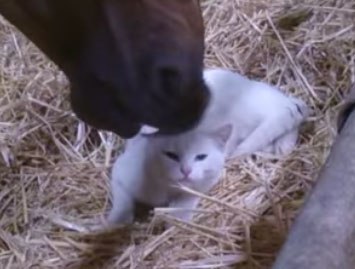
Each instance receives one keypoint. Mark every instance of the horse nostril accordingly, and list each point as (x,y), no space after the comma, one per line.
(178,94)
(170,80)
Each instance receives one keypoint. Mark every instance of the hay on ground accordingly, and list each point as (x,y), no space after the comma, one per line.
(54,170)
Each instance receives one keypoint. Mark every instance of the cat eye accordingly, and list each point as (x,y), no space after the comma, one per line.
(201,157)
(171,155)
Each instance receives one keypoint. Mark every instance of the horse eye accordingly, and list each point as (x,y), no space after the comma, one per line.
(171,155)
(201,157)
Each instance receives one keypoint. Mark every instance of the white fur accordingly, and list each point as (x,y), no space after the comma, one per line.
(146,174)
(263,118)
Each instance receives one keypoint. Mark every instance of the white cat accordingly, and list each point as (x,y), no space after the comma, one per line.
(243,117)
(263,118)
(150,167)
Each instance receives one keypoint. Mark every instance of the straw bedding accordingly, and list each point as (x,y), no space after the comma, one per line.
(54,170)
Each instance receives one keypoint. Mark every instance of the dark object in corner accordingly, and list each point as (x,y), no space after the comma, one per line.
(346,109)
(323,234)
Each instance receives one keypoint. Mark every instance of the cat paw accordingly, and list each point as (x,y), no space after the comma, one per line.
(115,218)
(283,145)
(283,149)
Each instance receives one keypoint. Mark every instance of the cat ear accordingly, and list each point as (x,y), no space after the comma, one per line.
(224,133)
(148,130)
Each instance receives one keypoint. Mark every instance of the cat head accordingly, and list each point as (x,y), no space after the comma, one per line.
(192,157)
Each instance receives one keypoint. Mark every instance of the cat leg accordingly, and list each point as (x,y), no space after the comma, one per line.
(269,149)
(122,206)
(272,129)
(184,201)
(286,143)
(263,136)
(283,145)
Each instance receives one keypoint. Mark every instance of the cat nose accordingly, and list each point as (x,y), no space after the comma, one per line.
(186,171)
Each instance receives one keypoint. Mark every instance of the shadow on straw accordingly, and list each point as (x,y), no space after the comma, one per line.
(107,247)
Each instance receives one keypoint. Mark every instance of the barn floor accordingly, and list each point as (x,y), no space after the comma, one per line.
(54,170)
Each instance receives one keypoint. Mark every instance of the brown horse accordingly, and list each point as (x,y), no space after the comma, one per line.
(129,62)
